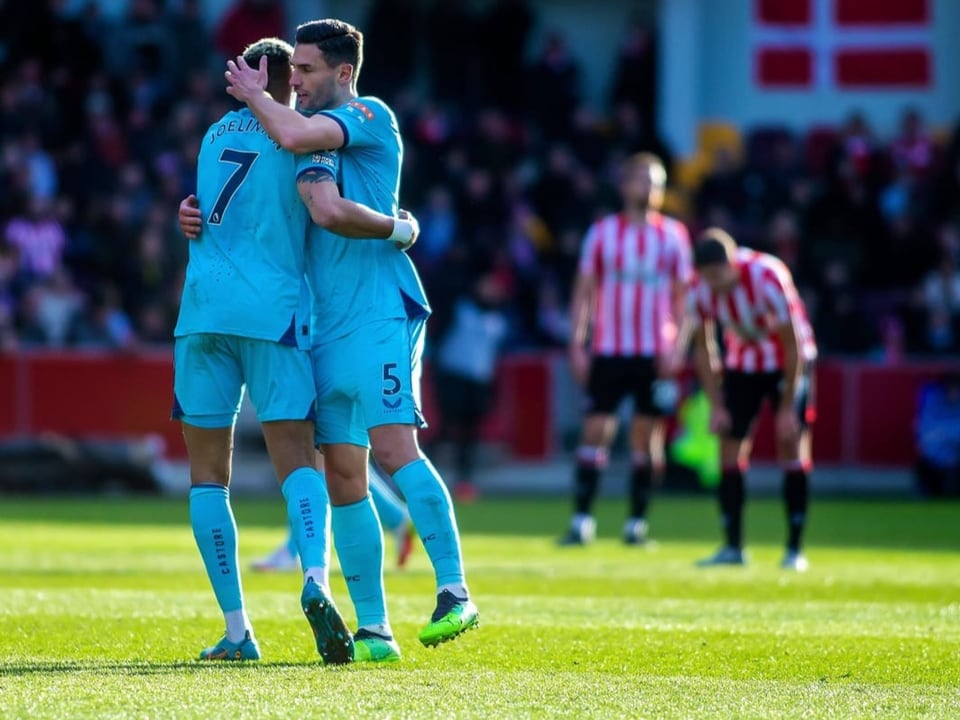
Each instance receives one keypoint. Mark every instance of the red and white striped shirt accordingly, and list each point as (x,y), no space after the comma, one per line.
(635,266)
(764,299)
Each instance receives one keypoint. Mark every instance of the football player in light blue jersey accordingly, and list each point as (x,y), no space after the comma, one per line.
(239,324)
(370,313)
(242,319)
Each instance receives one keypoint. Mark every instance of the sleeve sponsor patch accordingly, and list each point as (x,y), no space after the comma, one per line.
(355,106)
(326,159)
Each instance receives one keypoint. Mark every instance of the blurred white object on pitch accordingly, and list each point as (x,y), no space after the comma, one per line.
(665,395)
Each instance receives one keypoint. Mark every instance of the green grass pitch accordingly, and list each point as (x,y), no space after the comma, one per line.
(104,606)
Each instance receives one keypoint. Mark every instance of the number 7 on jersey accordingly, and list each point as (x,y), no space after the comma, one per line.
(244,161)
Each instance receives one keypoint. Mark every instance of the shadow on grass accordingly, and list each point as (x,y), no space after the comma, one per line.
(141,667)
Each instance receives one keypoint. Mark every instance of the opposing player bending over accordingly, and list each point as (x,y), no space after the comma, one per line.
(770,350)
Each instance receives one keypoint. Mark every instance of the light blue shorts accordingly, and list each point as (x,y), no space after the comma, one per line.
(211,370)
(369,378)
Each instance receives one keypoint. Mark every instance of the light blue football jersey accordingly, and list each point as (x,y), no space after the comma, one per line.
(355,282)
(245,274)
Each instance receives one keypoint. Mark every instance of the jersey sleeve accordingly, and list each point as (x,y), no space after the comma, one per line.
(327,161)
(778,293)
(363,122)
(681,269)
(590,259)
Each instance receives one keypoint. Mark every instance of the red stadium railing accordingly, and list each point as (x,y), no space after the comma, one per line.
(865,411)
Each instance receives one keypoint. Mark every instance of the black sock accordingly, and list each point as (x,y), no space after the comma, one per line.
(796,497)
(465,458)
(731,494)
(587,480)
(641,484)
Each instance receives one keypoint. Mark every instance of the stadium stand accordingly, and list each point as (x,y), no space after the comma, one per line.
(99,146)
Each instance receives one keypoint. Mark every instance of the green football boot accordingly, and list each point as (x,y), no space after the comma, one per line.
(369,646)
(452,617)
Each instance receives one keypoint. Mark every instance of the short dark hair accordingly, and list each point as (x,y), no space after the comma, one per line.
(278,53)
(339,41)
(713,247)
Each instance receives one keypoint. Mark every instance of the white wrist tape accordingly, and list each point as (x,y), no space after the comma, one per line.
(402,231)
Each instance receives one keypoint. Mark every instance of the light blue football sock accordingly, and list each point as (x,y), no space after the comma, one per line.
(428,502)
(391,509)
(308,512)
(358,538)
(215,531)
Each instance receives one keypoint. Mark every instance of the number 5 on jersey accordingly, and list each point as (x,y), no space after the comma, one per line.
(244,161)
(391,386)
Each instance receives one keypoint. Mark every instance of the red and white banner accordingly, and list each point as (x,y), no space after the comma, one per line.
(847,44)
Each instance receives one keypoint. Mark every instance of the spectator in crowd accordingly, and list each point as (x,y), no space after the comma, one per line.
(858,145)
(41,172)
(938,437)
(588,137)
(39,239)
(553,88)
(245,22)
(452,53)
(554,193)
(142,49)
(721,193)
(438,230)
(154,322)
(945,204)
(101,322)
(504,36)
(101,110)
(913,148)
(839,318)
(390,56)
(466,363)
(785,240)
(635,73)
(191,40)
(8,272)
(631,135)
(553,316)
(940,296)
(47,310)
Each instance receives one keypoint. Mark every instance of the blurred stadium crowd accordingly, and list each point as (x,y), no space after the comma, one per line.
(101,122)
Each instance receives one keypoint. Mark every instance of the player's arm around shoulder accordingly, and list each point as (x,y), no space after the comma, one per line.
(291,130)
(189,217)
(333,212)
(299,133)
